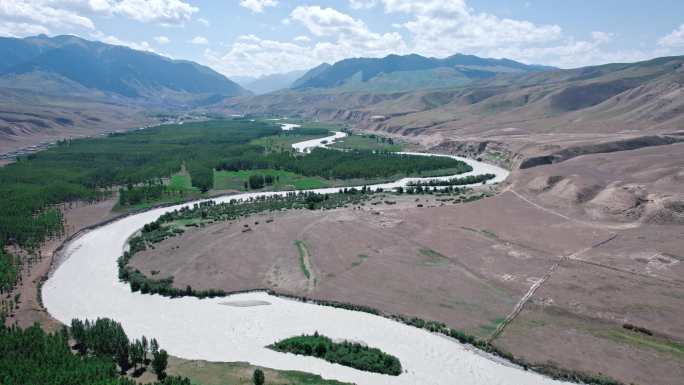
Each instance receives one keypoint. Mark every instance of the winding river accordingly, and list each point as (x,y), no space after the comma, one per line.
(86,285)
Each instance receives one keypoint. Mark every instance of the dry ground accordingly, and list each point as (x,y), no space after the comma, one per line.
(77,216)
(468,265)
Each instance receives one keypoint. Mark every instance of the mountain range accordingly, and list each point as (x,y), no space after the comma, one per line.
(67,86)
(601,100)
(408,72)
(52,87)
(110,69)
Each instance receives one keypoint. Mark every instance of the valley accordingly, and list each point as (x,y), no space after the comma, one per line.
(391,218)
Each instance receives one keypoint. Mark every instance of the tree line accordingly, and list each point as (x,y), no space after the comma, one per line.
(84,169)
(32,356)
(345,353)
(357,164)
(210,211)
(462,181)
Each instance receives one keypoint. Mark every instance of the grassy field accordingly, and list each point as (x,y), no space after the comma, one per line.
(303,252)
(235,373)
(181,182)
(285,180)
(433,258)
(645,341)
(366,142)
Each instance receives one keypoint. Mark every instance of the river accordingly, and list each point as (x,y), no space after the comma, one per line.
(86,285)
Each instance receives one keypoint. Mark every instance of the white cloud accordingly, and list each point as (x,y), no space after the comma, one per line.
(353,35)
(327,21)
(433,7)
(12,29)
(603,37)
(302,39)
(171,12)
(674,39)
(204,21)
(347,37)
(21,17)
(258,6)
(42,13)
(109,39)
(162,40)
(362,4)
(570,53)
(199,40)
(440,28)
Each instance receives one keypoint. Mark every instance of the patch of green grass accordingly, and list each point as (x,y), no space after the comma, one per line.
(491,326)
(284,142)
(284,180)
(644,341)
(489,234)
(366,142)
(433,258)
(181,182)
(303,253)
(362,259)
(237,373)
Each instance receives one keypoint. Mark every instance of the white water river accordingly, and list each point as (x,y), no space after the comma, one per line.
(86,285)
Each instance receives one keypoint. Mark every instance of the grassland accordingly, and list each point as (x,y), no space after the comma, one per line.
(367,142)
(284,180)
(236,373)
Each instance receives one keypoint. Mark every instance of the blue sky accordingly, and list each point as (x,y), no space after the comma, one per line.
(257,37)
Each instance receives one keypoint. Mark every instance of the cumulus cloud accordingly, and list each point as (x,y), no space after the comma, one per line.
(21,29)
(252,56)
(257,6)
(199,40)
(110,39)
(343,37)
(162,40)
(441,28)
(302,39)
(353,35)
(167,12)
(362,4)
(42,14)
(674,39)
(22,17)
(204,22)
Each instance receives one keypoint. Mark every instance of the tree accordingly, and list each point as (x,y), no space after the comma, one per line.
(321,349)
(122,357)
(136,353)
(78,332)
(256,181)
(159,363)
(154,346)
(146,347)
(258,377)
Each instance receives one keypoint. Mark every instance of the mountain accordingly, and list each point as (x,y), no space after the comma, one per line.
(401,73)
(310,74)
(65,86)
(597,100)
(116,70)
(269,83)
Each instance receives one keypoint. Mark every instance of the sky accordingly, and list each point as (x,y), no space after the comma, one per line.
(260,37)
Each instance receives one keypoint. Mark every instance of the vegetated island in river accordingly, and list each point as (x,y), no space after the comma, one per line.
(351,354)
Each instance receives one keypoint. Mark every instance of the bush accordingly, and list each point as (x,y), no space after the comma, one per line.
(350,354)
